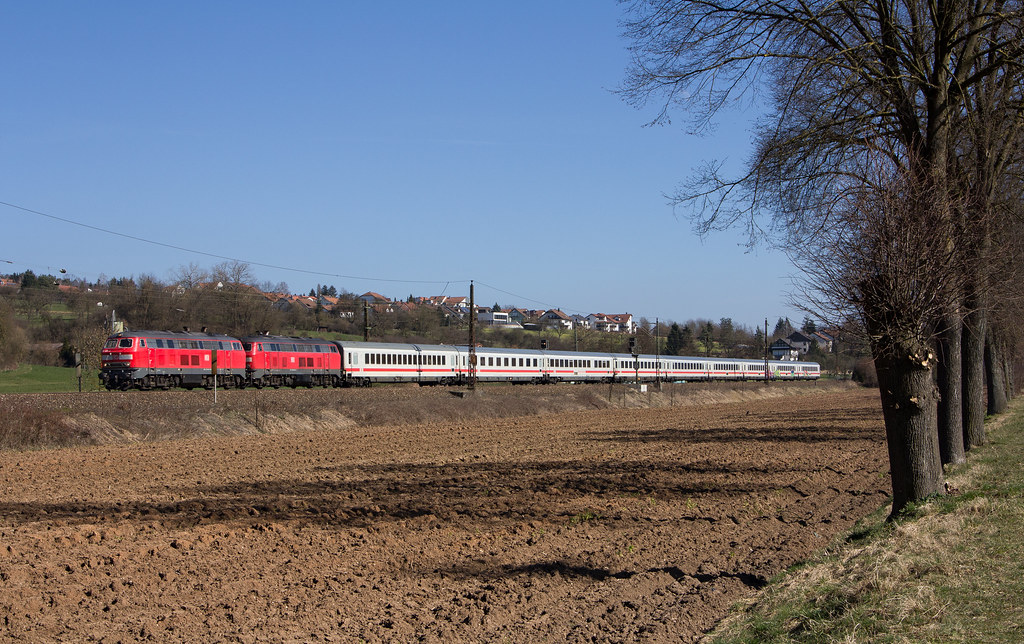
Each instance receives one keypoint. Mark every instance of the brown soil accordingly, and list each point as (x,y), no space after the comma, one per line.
(610,519)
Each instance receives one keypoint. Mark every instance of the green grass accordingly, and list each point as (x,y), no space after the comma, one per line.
(38,379)
(952,570)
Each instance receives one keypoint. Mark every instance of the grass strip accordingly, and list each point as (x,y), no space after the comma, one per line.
(27,379)
(951,570)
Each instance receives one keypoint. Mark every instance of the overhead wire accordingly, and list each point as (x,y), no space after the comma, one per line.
(145,240)
(223,257)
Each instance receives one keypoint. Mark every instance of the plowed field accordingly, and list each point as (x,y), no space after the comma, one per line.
(600,524)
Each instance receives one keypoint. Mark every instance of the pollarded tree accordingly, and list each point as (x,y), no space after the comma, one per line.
(865,100)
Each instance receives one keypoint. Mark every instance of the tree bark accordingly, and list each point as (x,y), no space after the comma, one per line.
(950,382)
(909,407)
(974,372)
(995,375)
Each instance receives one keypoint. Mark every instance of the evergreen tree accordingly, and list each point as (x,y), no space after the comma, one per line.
(707,337)
(674,344)
(689,346)
(726,333)
(782,328)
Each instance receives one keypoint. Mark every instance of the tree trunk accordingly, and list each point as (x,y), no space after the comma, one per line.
(974,373)
(995,375)
(1010,388)
(909,406)
(950,381)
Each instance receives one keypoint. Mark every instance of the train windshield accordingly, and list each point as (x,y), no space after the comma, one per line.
(247,345)
(118,343)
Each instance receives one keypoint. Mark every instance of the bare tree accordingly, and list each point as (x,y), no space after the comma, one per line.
(865,101)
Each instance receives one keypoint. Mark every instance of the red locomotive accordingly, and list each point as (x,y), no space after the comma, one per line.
(279,361)
(161,359)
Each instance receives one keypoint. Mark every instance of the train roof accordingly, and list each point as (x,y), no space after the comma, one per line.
(173,334)
(284,338)
(394,346)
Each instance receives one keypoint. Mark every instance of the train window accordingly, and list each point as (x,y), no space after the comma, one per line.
(124,343)
(159,343)
(444,360)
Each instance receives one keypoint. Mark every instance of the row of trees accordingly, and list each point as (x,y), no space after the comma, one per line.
(887,165)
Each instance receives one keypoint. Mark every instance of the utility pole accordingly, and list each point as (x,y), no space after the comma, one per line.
(657,351)
(471,380)
(766,377)
(366,321)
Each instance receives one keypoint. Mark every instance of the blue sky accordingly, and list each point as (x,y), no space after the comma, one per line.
(412,145)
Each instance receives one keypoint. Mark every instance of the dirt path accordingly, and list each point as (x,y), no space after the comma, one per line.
(606,525)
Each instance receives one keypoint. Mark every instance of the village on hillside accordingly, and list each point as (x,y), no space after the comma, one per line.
(229,302)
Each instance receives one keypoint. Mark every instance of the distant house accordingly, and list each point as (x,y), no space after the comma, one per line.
(614,323)
(295,303)
(824,339)
(374,298)
(782,349)
(438,301)
(518,315)
(800,342)
(492,318)
(555,318)
(451,313)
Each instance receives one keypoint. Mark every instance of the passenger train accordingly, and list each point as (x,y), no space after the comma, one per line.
(164,360)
